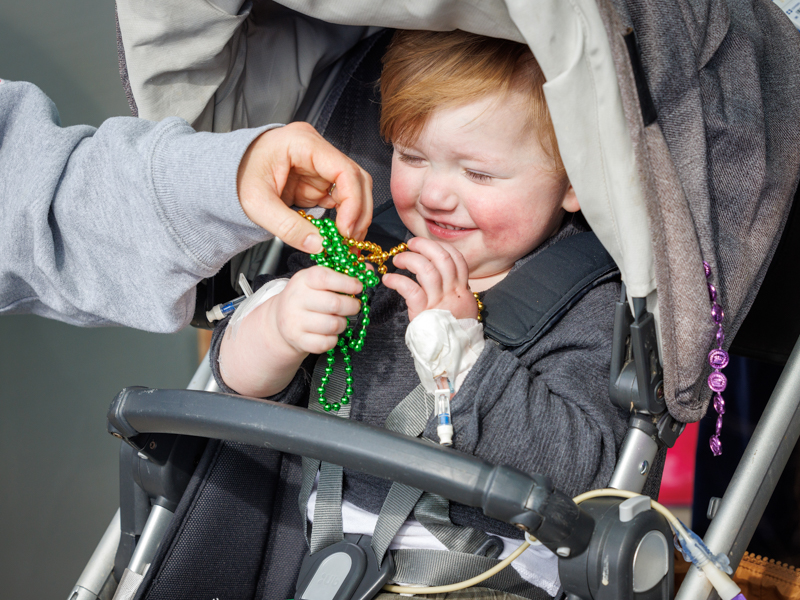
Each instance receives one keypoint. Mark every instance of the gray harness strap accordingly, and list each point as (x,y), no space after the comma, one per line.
(433,511)
(327,528)
(431,567)
(409,417)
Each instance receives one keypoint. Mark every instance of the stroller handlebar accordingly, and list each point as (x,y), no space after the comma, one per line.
(504,493)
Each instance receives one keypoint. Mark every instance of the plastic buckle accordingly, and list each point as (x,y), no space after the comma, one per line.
(347,570)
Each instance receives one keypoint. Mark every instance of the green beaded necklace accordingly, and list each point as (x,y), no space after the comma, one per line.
(336,255)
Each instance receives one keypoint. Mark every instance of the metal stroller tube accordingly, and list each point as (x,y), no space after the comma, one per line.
(755,478)
(98,570)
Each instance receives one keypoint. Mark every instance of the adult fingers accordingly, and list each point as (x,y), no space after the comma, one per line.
(353,217)
(263,174)
(312,155)
(284,157)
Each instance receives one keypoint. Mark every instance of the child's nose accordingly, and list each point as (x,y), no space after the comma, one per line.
(438,194)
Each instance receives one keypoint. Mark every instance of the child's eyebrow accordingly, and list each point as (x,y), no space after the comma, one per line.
(476,155)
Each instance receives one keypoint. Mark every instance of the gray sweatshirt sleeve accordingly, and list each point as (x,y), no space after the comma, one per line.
(113,225)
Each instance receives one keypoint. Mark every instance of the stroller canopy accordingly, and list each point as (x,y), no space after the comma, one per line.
(677,122)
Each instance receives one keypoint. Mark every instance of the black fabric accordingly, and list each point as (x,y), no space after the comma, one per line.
(354,102)
(215,543)
(533,297)
(286,545)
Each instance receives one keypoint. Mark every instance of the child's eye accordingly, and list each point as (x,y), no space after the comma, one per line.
(409,158)
(476,176)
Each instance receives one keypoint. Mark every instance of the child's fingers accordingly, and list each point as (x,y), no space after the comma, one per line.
(428,275)
(329,303)
(309,331)
(441,257)
(462,268)
(415,297)
(324,279)
(316,344)
(323,324)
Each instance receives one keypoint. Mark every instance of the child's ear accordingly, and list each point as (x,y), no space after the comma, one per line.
(570,201)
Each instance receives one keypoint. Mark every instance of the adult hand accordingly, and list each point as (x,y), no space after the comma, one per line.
(295,165)
(442,279)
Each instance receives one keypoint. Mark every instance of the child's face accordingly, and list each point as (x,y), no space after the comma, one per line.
(478,179)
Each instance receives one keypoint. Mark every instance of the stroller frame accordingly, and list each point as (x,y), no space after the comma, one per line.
(731,529)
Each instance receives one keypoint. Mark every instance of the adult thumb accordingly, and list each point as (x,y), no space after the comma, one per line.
(294,230)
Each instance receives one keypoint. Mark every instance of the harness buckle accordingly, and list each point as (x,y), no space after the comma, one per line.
(347,570)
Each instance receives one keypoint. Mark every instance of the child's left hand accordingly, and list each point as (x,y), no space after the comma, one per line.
(442,279)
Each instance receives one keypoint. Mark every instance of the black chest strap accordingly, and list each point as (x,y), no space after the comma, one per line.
(533,297)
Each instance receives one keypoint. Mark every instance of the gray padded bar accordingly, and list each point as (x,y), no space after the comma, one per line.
(352,444)
(503,493)
(755,478)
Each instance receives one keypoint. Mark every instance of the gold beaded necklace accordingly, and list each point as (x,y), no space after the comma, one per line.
(377,256)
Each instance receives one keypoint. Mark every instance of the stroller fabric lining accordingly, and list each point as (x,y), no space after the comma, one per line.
(715,172)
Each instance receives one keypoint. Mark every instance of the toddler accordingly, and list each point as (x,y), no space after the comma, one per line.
(479,184)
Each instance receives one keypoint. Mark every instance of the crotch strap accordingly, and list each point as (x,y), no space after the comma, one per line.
(409,417)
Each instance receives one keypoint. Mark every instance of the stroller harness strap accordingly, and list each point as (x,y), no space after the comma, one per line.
(409,417)
(327,528)
(534,296)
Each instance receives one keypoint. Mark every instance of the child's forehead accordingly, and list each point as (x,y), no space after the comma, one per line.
(495,117)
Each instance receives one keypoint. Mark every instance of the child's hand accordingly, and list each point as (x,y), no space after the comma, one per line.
(312,311)
(442,279)
(272,342)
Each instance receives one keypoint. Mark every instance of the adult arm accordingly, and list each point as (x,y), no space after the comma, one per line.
(116,225)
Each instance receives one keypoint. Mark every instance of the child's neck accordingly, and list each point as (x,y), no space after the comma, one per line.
(482,284)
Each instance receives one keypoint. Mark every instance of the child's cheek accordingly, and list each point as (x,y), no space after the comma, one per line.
(402,191)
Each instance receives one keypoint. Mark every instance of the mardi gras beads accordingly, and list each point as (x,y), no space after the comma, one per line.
(336,255)
(718,359)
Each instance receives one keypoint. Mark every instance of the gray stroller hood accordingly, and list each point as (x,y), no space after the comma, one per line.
(682,143)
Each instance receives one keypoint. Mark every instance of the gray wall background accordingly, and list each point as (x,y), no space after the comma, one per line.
(58,473)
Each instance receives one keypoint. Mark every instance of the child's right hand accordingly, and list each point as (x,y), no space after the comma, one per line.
(305,318)
(312,311)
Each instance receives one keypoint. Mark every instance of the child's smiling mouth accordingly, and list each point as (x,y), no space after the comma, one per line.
(446,230)
(446,226)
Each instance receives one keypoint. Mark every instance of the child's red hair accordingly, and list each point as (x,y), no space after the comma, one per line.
(427,70)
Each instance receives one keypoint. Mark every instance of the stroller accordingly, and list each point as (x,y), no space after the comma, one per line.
(677,128)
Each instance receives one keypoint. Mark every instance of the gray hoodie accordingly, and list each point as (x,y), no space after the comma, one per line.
(114,225)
